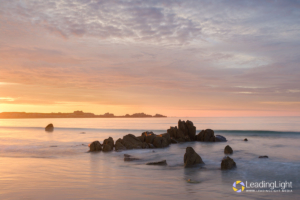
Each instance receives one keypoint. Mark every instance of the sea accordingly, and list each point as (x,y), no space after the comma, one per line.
(35,164)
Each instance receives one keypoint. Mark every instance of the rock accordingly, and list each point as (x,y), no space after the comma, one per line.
(149,139)
(167,137)
(109,142)
(119,146)
(160,142)
(263,157)
(127,155)
(228,150)
(141,138)
(191,130)
(191,158)
(130,159)
(106,148)
(206,136)
(147,133)
(163,162)
(49,128)
(246,139)
(220,138)
(95,146)
(151,146)
(173,141)
(145,145)
(176,133)
(227,163)
(131,142)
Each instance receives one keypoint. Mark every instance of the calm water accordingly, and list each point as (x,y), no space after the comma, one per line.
(39,165)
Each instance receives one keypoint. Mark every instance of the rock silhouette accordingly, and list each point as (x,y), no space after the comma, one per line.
(191,158)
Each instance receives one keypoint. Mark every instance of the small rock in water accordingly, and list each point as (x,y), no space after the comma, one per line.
(130,159)
(49,128)
(53,146)
(191,158)
(95,146)
(245,139)
(127,155)
(263,157)
(228,163)
(163,162)
(191,181)
(82,133)
(228,150)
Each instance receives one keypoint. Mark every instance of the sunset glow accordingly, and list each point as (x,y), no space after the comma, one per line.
(167,57)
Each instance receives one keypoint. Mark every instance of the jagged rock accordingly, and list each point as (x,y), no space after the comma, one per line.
(191,130)
(160,142)
(95,146)
(228,150)
(106,148)
(49,128)
(131,142)
(227,163)
(246,139)
(109,142)
(206,136)
(263,157)
(163,162)
(220,138)
(191,158)
(119,146)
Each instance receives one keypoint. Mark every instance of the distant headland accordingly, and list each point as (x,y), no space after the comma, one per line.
(75,114)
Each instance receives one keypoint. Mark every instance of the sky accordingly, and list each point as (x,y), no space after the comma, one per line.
(178,58)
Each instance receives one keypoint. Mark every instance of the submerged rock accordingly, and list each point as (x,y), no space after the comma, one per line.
(263,157)
(129,158)
(49,128)
(227,163)
(191,158)
(228,150)
(95,146)
(220,138)
(163,162)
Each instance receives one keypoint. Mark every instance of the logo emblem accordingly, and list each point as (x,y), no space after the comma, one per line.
(237,185)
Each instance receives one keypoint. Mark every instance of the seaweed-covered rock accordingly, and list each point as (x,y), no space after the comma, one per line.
(191,158)
(95,146)
(227,163)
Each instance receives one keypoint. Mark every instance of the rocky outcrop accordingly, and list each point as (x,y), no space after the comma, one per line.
(95,146)
(263,157)
(227,163)
(119,146)
(49,128)
(131,142)
(207,135)
(191,158)
(228,150)
(167,137)
(109,142)
(160,142)
(163,162)
(107,148)
(185,132)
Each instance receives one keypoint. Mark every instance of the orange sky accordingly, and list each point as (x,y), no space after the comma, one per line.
(152,57)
